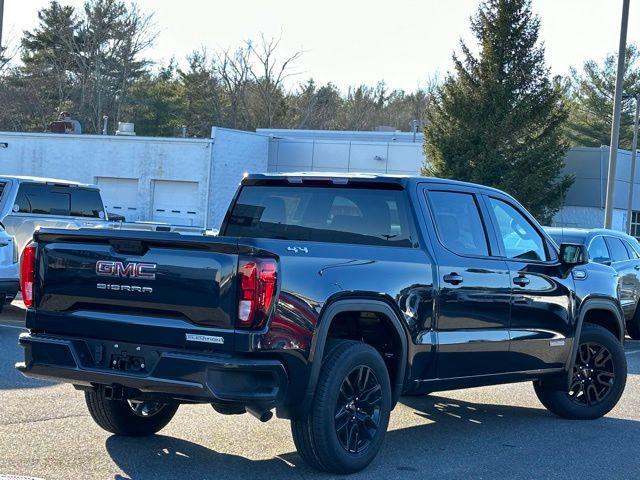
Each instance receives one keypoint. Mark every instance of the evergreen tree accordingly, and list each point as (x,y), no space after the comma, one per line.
(591,108)
(498,119)
(200,95)
(156,105)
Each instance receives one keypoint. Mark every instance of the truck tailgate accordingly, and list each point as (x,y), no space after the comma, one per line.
(142,286)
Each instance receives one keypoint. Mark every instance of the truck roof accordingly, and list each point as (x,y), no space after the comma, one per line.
(29,179)
(367,177)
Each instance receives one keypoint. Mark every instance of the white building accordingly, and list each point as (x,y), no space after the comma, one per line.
(191,181)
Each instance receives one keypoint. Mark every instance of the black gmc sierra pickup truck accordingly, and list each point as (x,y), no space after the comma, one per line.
(326,299)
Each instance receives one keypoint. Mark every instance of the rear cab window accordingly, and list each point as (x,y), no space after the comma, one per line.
(363,216)
(86,202)
(59,200)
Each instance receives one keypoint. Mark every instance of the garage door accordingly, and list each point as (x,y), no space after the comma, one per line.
(176,202)
(120,196)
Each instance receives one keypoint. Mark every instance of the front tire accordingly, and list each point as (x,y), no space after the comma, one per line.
(598,378)
(350,412)
(129,418)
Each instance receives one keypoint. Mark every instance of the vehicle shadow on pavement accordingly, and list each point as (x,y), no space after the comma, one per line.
(10,353)
(458,440)
(632,350)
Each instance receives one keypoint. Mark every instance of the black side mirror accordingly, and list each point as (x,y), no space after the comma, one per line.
(572,254)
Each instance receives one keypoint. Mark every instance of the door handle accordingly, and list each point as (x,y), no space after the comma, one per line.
(453,278)
(521,281)
(637,267)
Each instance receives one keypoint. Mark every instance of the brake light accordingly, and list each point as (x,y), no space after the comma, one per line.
(28,274)
(258,281)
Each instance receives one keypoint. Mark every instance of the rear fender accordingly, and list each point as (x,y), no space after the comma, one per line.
(320,339)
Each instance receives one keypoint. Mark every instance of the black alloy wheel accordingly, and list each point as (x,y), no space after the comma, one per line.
(593,374)
(347,422)
(598,378)
(357,416)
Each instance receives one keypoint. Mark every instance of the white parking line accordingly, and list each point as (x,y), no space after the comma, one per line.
(17,327)
(631,352)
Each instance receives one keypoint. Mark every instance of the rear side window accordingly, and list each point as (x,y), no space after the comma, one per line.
(322,214)
(43,199)
(458,222)
(617,249)
(633,253)
(86,202)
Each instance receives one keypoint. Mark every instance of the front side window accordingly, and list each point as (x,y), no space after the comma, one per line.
(363,216)
(459,223)
(519,238)
(598,251)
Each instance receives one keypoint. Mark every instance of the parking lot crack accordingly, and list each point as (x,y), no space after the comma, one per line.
(37,420)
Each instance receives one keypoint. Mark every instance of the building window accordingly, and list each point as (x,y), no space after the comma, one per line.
(635,224)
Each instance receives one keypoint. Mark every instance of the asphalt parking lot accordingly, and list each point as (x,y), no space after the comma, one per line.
(483,433)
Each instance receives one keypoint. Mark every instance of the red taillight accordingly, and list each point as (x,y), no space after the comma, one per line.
(28,274)
(257,289)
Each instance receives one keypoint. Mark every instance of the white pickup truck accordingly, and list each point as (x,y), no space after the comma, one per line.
(27,203)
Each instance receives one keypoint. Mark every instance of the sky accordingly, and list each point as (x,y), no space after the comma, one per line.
(349,42)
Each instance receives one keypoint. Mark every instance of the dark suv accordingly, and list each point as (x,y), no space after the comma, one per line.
(326,298)
(621,252)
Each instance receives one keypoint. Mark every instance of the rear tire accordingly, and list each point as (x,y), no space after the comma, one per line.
(350,412)
(598,378)
(121,417)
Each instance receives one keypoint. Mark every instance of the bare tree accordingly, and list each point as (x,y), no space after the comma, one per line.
(106,49)
(139,32)
(234,71)
(269,73)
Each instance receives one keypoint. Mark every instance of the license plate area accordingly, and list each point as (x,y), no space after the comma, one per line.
(128,363)
(124,357)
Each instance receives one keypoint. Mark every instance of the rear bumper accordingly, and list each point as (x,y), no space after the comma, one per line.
(200,377)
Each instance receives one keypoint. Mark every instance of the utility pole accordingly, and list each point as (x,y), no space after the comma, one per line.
(634,146)
(1,20)
(615,125)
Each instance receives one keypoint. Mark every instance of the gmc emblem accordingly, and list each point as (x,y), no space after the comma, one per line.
(143,271)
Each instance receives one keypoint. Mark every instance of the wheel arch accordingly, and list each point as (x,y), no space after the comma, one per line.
(589,307)
(327,316)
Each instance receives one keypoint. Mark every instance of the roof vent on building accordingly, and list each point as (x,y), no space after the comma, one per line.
(125,128)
